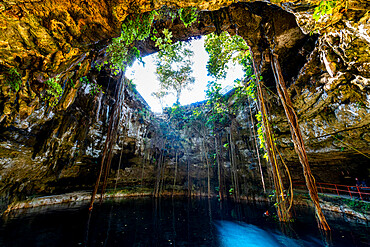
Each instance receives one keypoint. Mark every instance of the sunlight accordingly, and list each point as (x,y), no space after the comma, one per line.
(146,80)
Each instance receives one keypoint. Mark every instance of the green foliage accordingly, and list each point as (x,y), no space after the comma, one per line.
(327,13)
(196,120)
(174,68)
(100,66)
(84,80)
(143,115)
(172,126)
(160,96)
(177,112)
(53,91)
(261,134)
(360,105)
(131,86)
(216,107)
(356,205)
(231,191)
(251,89)
(224,48)
(94,87)
(188,15)
(135,28)
(324,8)
(163,43)
(165,13)
(12,78)
(121,55)
(260,131)
(71,83)
(178,116)
(213,92)
(242,91)
(259,116)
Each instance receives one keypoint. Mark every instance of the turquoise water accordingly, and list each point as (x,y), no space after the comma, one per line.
(178,222)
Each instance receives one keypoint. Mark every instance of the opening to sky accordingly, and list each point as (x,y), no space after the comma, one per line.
(146,81)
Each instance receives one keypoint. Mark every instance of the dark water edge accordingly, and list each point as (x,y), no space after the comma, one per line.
(173,222)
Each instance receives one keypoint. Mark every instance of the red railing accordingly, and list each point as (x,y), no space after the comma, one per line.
(339,189)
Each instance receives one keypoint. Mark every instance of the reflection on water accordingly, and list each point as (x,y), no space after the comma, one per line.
(241,234)
(166,222)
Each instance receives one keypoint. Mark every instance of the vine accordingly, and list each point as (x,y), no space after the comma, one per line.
(261,135)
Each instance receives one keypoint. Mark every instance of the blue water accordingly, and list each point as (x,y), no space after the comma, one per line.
(167,222)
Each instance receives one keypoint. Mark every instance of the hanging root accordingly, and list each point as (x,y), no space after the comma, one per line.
(114,122)
(298,140)
(256,146)
(283,213)
(290,180)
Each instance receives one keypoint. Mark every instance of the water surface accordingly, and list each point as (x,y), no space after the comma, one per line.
(178,222)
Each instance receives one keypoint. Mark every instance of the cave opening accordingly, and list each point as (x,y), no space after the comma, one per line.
(143,75)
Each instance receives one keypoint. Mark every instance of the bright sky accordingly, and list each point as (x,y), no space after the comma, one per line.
(146,79)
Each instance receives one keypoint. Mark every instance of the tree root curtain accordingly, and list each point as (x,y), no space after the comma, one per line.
(297,140)
(113,127)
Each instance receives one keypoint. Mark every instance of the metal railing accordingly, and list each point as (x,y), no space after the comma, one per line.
(339,189)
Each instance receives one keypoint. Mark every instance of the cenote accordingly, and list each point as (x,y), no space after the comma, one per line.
(276,155)
(173,222)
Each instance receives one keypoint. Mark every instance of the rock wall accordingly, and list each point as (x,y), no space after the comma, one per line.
(56,152)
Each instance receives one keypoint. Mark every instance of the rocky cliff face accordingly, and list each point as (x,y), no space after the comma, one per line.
(331,94)
(59,151)
(55,149)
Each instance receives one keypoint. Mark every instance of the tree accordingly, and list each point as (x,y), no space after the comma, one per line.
(160,97)
(224,48)
(174,68)
(217,108)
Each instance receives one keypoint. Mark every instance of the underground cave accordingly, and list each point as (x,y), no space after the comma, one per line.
(281,158)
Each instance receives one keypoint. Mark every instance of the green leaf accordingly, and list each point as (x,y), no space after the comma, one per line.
(188,15)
